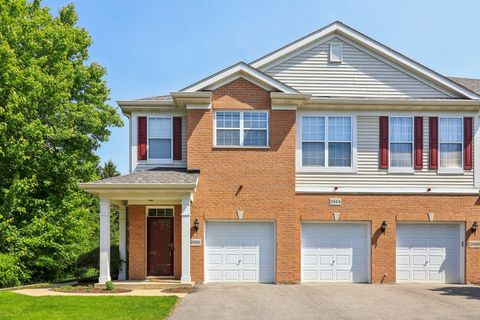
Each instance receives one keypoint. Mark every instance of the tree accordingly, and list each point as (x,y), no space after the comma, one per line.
(108,170)
(53,116)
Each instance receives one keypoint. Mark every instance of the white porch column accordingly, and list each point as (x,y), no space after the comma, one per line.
(186,241)
(104,241)
(122,242)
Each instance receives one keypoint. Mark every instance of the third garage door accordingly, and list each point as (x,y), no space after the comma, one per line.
(335,252)
(429,253)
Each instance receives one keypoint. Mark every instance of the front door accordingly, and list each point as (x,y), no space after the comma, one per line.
(159,246)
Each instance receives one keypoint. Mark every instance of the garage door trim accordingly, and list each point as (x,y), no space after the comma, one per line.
(205,260)
(463,243)
(368,243)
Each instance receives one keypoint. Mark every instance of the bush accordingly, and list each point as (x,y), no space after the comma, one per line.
(11,273)
(109,285)
(89,261)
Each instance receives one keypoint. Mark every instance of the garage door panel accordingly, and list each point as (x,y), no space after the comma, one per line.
(237,252)
(340,251)
(433,253)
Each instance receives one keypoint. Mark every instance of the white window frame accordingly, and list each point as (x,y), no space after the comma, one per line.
(340,46)
(401,169)
(155,160)
(326,168)
(241,129)
(451,170)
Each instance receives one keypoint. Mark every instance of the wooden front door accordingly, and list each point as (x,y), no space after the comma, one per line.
(159,246)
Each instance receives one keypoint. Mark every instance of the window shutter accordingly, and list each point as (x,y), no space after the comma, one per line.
(467,143)
(177,138)
(418,143)
(433,144)
(142,138)
(383,162)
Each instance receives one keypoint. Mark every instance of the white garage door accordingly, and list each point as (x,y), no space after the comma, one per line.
(428,253)
(335,252)
(240,252)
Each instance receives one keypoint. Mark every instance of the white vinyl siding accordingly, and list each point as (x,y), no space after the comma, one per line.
(141,165)
(360,74)
(368,174)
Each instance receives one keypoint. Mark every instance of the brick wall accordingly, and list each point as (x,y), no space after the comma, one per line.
(260,182)
(136,242)
(393,208)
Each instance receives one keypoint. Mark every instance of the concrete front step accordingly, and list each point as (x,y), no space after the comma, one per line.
(148,284)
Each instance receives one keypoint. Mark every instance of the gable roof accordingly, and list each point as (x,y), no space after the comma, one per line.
(240,69)
(376,47)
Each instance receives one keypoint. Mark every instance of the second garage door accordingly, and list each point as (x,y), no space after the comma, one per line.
(429,253)
(240,252)
(335,252)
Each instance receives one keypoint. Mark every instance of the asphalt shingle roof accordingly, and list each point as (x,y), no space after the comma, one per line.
(469,83)
(157,175)
(161,98)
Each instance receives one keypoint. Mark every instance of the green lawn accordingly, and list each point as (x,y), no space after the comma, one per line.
(17,306)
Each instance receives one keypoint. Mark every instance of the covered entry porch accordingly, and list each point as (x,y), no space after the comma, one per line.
(154,226)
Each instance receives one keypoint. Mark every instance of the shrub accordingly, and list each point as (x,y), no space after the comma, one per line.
(88,262)
(11,273)
(109,285)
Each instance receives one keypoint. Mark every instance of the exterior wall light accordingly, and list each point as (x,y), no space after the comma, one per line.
(475,227)
(196,225)
(384,226)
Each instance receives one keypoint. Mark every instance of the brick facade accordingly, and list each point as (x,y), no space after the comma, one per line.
(261,183)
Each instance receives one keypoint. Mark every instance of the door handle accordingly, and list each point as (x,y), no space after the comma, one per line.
(238,263)
(333,262)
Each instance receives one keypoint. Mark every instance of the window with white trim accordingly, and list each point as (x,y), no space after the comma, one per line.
(450,142)
(241,128)
(401,142)
(160,138)
(336,52)
(326,141)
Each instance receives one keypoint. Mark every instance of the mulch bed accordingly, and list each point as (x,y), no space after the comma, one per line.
(179,290)
(81,288)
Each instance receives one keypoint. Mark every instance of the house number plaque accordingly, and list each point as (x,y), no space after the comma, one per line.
(196,242)
(335,201)
(475,244)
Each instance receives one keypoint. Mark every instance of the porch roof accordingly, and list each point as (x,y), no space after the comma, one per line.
(153,183)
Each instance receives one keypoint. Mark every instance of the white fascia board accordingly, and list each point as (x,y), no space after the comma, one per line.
(206,106)
(284,107)
(373,45)
(235,69)
(133,103)
(95,187)
(388,190)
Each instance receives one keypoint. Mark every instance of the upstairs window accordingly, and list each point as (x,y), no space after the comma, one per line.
(241,128)
(401,142)
(451,142)
(160,138)
(326,141)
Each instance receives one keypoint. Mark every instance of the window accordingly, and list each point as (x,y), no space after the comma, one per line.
(326,141)
(451,142)
(160,212)
(242,129)
(336,52)
(401,142)
(160,138)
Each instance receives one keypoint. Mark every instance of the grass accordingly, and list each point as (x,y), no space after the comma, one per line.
(17,306)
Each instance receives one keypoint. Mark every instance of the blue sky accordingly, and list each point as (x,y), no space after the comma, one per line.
(155,47)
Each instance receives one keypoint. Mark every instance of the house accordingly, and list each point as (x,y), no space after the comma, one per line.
(333,158)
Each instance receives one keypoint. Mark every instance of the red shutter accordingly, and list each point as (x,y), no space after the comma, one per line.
(418,142)
(467,143)
(383,163)
(142,138)
(177,138)
(433,148)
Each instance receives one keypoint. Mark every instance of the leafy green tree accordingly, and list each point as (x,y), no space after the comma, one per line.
(108,170)
(53,116)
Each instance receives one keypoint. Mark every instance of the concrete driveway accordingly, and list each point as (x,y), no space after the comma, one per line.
(352,301)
